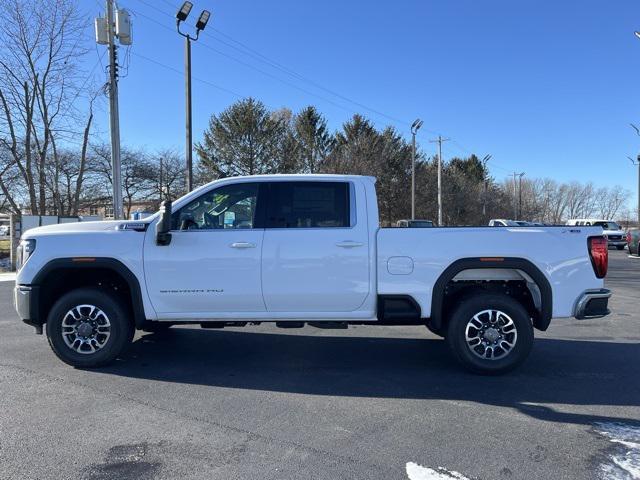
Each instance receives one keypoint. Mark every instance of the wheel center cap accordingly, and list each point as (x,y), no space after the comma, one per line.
(491,334)
(85,329)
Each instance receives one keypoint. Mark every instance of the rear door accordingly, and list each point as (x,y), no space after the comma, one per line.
(315,254)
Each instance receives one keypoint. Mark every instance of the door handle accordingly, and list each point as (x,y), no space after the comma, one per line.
(349,244)
(243,245)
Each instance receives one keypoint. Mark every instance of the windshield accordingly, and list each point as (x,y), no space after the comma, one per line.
(607,225)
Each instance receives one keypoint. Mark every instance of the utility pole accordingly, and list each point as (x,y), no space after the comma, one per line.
(415,126)
(181,16)
(520,195)
(114,115)
(515,194)
(107,30)
(439,141)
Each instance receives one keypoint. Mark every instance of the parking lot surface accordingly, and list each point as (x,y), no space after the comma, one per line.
(362,403)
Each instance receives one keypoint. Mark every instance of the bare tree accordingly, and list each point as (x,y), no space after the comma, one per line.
(39,81)
(167,175)
(610,201)
(139,178)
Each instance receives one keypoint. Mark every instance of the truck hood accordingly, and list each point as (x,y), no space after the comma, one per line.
(614,232)
(83,227)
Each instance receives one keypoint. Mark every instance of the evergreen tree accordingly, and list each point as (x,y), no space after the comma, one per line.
(245,139)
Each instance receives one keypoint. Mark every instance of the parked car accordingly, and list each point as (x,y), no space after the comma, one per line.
(633,240)
(501,222)
(414,223)
(303,249)
(615,234)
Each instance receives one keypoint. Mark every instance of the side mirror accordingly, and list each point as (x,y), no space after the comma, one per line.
(163,227)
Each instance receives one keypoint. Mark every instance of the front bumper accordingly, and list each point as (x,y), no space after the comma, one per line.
(593,304)
(25,301)
(616,243)
(22,301)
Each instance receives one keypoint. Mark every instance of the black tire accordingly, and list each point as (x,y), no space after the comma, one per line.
(520,322)
(121,328)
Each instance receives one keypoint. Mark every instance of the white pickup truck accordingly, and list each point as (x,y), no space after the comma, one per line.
(304,249)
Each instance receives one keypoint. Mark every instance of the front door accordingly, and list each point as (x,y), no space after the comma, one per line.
(315,256)
(212,265)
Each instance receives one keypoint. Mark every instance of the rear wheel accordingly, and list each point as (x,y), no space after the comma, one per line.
(490,334)
(88,328)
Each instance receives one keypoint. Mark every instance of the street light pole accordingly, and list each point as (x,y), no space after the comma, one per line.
(189,129)
(415,126)
(637,163)
(181,16)
(485,160)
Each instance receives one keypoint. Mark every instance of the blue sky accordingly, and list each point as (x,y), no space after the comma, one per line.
(545,87)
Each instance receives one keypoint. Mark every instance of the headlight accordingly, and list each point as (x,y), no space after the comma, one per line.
(25,249)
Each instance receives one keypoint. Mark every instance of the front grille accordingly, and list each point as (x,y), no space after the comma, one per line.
(614,237)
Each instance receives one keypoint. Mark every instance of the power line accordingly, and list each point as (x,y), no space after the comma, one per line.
(248,65)
(272,63)
(256,55)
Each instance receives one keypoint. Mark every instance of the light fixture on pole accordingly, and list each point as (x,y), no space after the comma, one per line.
(415,126)
(181,16)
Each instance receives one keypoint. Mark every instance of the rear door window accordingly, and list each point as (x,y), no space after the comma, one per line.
(308,205)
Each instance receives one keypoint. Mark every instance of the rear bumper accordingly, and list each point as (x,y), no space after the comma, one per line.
(593,304)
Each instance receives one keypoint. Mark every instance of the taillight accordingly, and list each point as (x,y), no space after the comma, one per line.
(599,253)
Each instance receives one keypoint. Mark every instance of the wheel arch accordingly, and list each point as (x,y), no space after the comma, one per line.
(540,321)
(99,268)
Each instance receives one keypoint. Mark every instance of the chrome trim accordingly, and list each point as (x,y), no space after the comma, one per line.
(584,299)
(22,301)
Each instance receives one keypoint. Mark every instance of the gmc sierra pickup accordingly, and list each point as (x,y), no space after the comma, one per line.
(304,249)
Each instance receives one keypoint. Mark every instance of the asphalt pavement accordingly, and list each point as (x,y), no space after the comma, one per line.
(363,403)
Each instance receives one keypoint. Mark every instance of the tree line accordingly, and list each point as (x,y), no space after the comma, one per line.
(52,162)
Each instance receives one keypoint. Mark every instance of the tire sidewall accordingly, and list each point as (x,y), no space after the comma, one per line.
(121,328)
(466,309)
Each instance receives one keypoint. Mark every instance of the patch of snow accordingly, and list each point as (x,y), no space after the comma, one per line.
(625,459)
(418,472)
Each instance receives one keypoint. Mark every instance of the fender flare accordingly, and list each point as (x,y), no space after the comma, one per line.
(105,263)
(437,299)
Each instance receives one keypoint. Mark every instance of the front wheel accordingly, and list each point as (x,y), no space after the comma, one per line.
(490,334)
(88,328)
